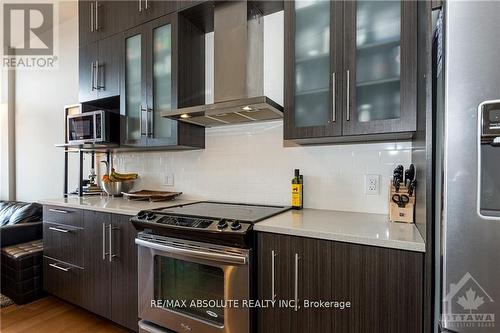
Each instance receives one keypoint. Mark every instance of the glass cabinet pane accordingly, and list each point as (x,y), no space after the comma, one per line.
(162,80)
(312,63)
(133,87)
(378,60)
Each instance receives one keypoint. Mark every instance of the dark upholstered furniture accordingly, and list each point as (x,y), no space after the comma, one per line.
(20,222)
(22,267)
(22,251)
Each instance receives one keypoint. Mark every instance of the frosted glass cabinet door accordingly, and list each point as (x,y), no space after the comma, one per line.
(311,30)
(380,58)
(312,63)
(133,89)
(162,81)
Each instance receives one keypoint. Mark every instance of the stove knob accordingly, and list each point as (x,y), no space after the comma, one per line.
(235,225)
(141,215)
(150,215)
(222,224)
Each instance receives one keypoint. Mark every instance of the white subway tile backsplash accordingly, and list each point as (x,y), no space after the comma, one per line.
(249,163)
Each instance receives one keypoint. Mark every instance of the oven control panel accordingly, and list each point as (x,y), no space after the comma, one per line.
(192,222)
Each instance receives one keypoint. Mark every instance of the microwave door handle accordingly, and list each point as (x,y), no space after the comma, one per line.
(195,253)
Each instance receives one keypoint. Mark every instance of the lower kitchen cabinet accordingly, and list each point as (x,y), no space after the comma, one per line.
(274,282)
(63,280)
(124,273)
(106,283)
(111,267)
(97,296)
(383,286)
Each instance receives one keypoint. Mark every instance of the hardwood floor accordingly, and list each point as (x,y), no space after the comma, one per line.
(53,315)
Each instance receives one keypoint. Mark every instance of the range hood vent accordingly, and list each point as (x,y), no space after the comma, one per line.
(238,71)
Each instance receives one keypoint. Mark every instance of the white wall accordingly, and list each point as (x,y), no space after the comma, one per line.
(7,186)
(40,96)
(248,163)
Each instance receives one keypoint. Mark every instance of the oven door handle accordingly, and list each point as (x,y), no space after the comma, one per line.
(214,256)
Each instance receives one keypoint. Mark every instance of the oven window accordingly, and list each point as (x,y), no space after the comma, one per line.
(81,128)
(177,280)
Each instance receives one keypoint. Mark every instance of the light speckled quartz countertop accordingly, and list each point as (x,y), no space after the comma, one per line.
(349,227)
(110,204)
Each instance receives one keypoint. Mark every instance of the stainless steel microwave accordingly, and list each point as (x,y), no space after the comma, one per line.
(99,126)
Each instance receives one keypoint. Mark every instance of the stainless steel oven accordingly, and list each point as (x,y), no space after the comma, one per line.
(186,286)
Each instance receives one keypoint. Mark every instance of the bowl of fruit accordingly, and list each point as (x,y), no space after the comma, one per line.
(115,183)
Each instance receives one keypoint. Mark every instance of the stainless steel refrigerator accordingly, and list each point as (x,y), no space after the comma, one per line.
(467,111)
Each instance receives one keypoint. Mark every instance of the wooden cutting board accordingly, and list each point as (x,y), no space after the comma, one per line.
(151,195)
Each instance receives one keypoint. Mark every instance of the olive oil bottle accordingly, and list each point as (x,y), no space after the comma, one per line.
(297,190)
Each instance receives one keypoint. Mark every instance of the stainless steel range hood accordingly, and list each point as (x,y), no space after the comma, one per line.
(238,71)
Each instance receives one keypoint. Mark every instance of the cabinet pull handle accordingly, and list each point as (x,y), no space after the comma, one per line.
(348,97)
(59,229)
(147,121)
(58,211)
(140,6)
(146,6)
(96,76)
(150,126)
(92,16)
(92,68)
(96,16)
(99,77)
(143,133)
(104,242)
(273,275)
(111,255)
(296,292)
(110,244)
(59,267)
(333,97)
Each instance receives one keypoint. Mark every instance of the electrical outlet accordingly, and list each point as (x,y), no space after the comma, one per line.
(372,184)
(168,179)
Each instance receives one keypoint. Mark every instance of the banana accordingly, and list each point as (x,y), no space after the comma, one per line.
(115,176)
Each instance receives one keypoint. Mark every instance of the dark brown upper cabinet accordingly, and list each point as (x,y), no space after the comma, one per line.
(313,69)
(163,68)
(101,19)
(138,12)
(350,70)
(380,56)
(99,69)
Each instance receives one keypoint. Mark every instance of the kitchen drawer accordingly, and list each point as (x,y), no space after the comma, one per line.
(63,280)
(63,242)
(63,215)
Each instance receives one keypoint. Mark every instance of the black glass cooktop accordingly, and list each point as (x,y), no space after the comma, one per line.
(223,210)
